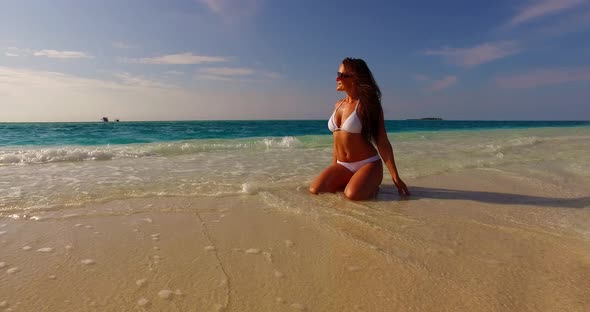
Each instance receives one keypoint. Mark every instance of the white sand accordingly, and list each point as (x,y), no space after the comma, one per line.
(475,241)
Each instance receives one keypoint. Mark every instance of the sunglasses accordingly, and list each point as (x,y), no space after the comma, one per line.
(340,75)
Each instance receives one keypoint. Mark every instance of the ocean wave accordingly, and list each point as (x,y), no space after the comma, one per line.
(502,146)
(53,155)
(108,152)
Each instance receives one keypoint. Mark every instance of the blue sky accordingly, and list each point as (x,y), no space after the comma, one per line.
(261,59)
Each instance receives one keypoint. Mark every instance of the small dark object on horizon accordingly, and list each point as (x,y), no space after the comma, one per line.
(427,118)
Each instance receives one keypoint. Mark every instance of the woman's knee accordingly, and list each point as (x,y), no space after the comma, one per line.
(321,187)
(352,194)
(359,194)
(313,190)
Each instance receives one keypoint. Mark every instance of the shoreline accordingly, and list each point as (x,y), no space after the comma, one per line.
(475,240)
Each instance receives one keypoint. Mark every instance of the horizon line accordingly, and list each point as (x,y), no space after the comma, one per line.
(296,119)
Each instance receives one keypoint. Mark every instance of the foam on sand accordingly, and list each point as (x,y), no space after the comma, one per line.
(12,270)
(278,274)
(165,294)
(141,282)
(143,302)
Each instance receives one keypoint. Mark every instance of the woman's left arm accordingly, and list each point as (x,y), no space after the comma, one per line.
(386,152)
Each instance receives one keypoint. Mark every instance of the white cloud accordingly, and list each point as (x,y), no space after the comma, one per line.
(227,71)
(443,83)
(178,59)
(174,72)
(545,77)
(11,77)
(61,54)
(48,53)
(538,9)
(216,78)
(436,85)
(31,95)
(139,81)
(235,74)
(14,51)
(477,55)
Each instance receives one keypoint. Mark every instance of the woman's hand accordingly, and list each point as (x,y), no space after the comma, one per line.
(401,187)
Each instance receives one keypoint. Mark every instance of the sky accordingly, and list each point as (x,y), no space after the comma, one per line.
(80,60)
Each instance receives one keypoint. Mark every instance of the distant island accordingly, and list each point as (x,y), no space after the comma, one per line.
(427,118)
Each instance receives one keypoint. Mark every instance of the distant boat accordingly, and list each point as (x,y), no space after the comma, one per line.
(105,119)
(427,118)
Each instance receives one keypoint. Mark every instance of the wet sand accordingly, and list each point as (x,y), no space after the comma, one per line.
(470,241)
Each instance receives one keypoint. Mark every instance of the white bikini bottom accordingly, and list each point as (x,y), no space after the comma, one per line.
(355,166)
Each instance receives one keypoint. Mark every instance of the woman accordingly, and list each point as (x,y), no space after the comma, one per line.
(358,126)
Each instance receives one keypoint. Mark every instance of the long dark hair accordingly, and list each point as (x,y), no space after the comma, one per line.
(370,110)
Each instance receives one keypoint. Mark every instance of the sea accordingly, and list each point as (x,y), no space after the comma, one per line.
(53,166)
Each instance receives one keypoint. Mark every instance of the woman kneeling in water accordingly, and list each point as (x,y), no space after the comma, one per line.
(358,126)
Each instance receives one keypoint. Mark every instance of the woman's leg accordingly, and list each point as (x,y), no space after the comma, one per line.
(332,179)
(365,182)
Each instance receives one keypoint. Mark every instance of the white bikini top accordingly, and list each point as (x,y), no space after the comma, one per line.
(352,124)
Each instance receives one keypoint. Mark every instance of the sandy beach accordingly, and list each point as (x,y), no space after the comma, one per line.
(470,241)
(158,156)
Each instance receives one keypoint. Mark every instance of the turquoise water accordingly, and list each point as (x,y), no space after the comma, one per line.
(49,166)
(56,134)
